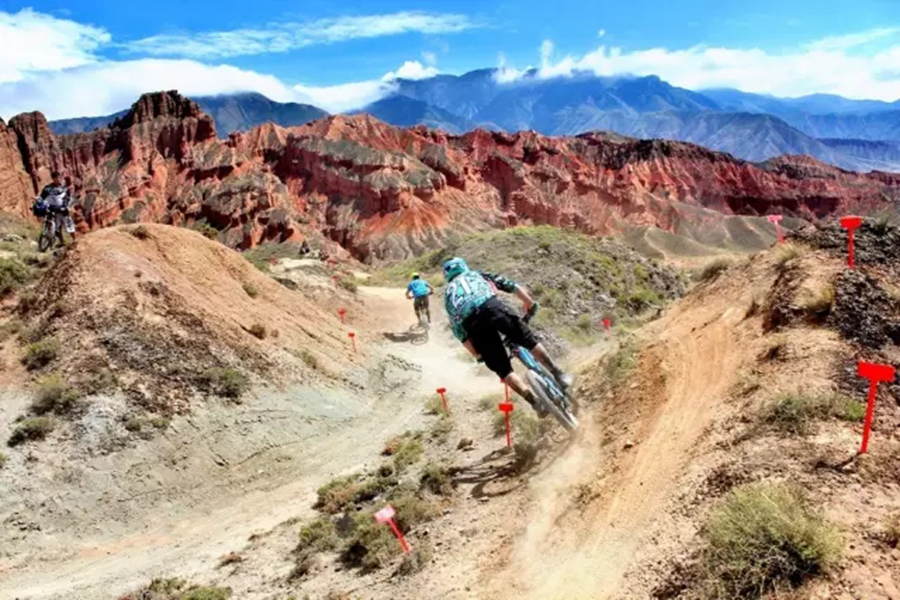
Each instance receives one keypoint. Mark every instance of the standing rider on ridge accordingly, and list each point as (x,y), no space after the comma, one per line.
(57,197)
(478,319)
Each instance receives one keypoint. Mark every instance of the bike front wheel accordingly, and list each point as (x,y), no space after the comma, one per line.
(45,242)
(561,414)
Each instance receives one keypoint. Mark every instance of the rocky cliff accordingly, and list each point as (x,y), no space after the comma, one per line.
(382,191)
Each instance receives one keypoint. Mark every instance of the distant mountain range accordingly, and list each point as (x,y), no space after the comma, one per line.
(859,135)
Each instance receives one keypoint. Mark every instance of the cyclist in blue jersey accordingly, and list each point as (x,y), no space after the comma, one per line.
(478,318)
(418,291)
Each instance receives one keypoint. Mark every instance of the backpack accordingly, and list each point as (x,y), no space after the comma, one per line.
(39,208)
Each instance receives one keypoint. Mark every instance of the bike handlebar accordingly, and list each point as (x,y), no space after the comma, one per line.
(531,312)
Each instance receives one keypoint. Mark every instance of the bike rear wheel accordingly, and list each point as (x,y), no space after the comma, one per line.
(539,385)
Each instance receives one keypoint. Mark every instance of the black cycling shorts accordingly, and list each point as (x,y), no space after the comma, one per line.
(421,302)
(484,328)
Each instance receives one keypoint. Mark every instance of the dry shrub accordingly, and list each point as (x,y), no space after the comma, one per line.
(762,538)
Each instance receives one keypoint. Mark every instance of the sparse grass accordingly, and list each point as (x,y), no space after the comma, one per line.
(208,231)
(134,424)
(764,537)
(620,365)
(442,429)
(794,413)
(818,304)
(524,423)
(53,394)
(584,323)
(308,358)
(433,405)
(436,479)
(225,382)
(405,449)
(416,560)
(349,283)
(178,589)
(712,270)
(27,300)
(40,354)
(370,545)
(343,492)
(258,331)
(13,275)
(3,459)
(318,536)
(412,508)
(31,429)
(251,290)
(891,528)
(786,253)
(140,232)
(490,402)
(10,328)
(231,558)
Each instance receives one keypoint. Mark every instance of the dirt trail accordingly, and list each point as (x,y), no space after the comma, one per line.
(584,552)
(183,536)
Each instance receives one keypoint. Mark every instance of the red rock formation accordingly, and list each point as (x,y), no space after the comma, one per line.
(15,184)
(382,191)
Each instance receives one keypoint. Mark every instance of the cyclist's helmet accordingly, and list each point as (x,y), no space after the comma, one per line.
(454,267)
(414,275)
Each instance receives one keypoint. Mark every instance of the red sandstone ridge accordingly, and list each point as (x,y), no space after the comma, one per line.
(382,191)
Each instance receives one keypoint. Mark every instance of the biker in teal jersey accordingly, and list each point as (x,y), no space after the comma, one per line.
(418,290)
(478,318)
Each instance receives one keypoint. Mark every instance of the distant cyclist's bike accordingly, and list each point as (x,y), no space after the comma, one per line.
(543,383)
(49,231)
(421,306)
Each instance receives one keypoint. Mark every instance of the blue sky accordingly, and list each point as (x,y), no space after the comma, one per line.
(342,54)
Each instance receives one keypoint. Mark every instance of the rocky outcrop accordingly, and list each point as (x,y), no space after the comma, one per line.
(15,184)
(382,191)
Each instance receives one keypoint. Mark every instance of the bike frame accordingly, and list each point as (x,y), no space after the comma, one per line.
(531,363)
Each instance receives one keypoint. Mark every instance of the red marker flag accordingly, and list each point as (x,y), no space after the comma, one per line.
(386,515)
(850,224)
(443,391)
(875,374)
(353,339)
(777,220)
(507,408)
(342,312)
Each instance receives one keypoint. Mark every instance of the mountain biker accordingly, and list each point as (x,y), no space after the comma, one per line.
(478,318)
(57,197)
(418,291)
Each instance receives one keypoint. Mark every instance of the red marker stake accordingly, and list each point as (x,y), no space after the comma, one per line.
(606,325)
(443,391)
(850,224)
(507,408)
(335,278)
(353,340)
(777,220)
(386,515)
(342,312)
(875,374)
(272,261)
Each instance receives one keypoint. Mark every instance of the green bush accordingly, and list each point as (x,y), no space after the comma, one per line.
(3,459)
(584,323)
(258,331)
(370,545)
(31,429)
(140,232)
(318,536)
(761,538)
(42,353)
(343,492)
(27,300)
(13,275)
(786,253)
(225,382)
(178,589)
(9,329)
(818,304)
(442,429)
(406,450)
(309,359)
(53,394)
(208,231)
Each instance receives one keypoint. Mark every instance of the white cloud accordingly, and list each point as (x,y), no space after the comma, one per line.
(601,33)
(36,42)
(825,66)
(505,73)
(106,87)
(430,58)
(281,37)
(412,69)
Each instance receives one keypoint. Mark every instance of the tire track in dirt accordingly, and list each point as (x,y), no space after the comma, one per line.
(585,553)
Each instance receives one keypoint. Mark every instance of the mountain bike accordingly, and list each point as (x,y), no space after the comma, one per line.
(545,386)
(421,307)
